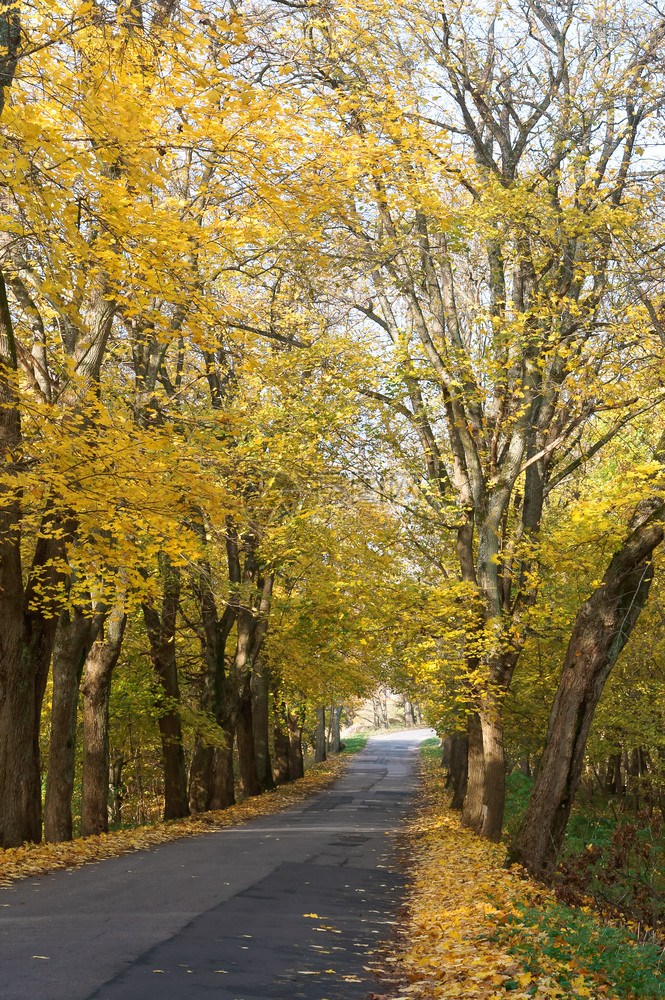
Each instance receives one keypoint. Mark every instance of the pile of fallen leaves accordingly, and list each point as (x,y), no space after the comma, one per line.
(38,859)
(460,895)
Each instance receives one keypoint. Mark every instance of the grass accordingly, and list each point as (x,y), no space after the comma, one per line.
(571,941)
(477,928)
(430,749)
(352,744)
(573,937)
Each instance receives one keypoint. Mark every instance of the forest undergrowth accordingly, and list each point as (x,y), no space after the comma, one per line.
(31,860)
(475,928)
(613,858)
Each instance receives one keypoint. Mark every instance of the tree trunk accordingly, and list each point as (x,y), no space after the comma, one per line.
(161,628)
(494,778)
(217,695)
(613,776)
(458,768)
(485,792)
(28,617)
(602,627)
(26,641)
(201,776)
(115,783)
(320,736)
(472,810)
(74,637)
(409,714)
(383,703)
(376,711)
(223,784)
(249,779)
(335,739)
(296,762)
(282,747)
(261,722)
(99,665)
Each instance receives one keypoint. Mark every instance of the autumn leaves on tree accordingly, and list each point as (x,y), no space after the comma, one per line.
(317,323)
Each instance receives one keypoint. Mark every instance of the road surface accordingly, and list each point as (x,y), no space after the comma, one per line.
(289,906)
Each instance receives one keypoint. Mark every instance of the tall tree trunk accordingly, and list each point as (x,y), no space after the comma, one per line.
(223,785)
(457,769)
(99,665)
(27,632)
(217,696)
(296,762)
(249,779)
(28,618)
(74,638)
(472,810)
(602,627)
(409,714)
(335,739)
(282,747)
(613,776)
(320,735)
(201,776)
(261,722)
(251,626)
(161,628)
(494,779)
(376,711)
(115,786)
(485,791)
(383,704)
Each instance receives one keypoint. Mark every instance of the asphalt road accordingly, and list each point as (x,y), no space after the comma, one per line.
(289,906)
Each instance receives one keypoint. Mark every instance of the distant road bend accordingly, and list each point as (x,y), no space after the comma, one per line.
(288,906)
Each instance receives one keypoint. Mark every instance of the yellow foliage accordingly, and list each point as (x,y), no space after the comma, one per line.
(460,888)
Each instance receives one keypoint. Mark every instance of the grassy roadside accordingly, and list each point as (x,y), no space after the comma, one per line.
(476,929)
(32,860)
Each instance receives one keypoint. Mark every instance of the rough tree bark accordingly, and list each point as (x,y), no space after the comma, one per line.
(251,627)
(247,764)
(261,722)
(457,768)
(28,618)
(281,746)
(161,628)
(296,763)
(211,769)
(75,635)
(601,630)
(99,665)
(223,785)
(335,739)
(320,736)
(472,809)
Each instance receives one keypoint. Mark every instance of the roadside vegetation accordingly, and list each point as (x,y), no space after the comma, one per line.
(476,928)
(39,859)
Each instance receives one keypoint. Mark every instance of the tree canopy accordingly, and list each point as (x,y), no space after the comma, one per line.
(331,342)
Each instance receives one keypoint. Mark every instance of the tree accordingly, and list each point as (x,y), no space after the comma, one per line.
(478,166)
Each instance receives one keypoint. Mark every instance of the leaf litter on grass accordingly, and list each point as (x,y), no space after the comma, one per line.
(474,928)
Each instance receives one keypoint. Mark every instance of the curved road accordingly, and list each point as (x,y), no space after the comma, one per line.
(288,906)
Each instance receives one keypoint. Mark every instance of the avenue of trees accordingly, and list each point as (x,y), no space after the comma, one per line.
(331,356)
